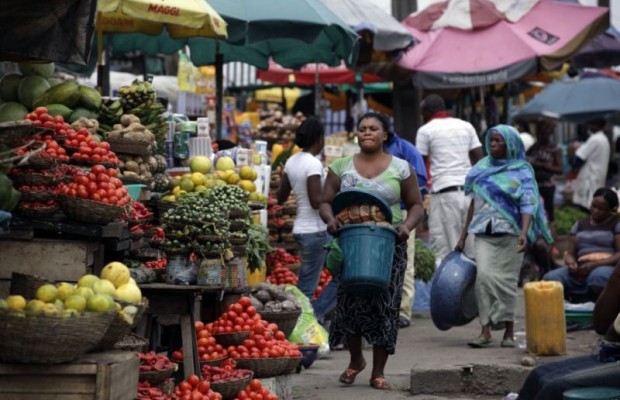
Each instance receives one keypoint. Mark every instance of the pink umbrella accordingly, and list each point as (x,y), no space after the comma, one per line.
(500,45)
(307,75)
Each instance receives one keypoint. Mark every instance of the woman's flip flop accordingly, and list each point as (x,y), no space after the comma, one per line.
(380,383)
(349,374)
(480,342)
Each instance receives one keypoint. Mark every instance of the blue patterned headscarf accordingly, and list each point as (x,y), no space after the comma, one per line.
(508,185)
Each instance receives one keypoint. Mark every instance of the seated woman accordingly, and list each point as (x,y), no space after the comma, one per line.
(593,249)
(549,381)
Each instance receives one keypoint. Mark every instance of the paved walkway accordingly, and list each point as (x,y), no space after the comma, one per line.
(436,365)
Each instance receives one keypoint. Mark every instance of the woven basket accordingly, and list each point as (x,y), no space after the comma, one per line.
(230,389)
(289,210)
(238,225)
(286,320)
(127,146)
(43,162)
(90,211)
(132,180)
(50,340)
(131,342)
(147,254)
(264,367)
(214,363)
(34,179)
(69,149)
(231,339)
(92,163)
(156,377)
(26,285)
(210,239)
(257,205)
(238,241)
(119,328)
(42,212)
(291,365)
(236,213)
(38,195)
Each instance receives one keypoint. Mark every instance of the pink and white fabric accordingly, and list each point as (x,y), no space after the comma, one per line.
(464,43)
(307,75)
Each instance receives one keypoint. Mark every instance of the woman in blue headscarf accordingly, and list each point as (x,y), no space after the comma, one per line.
(504,214)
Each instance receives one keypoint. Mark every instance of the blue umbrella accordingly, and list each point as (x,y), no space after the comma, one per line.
(575,100)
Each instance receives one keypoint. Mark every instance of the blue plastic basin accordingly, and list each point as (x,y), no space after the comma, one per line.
(368,252)
(592,393)
(453,297)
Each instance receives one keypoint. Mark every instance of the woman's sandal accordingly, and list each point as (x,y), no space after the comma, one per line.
(507,342)
(480,342)
(380,383)
(349,374)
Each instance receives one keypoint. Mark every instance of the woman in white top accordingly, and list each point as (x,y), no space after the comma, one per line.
(304,175)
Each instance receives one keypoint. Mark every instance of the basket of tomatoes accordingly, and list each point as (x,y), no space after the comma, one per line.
(226,379)
(96,197)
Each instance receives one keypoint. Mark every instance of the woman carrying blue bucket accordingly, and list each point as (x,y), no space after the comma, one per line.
(372,317)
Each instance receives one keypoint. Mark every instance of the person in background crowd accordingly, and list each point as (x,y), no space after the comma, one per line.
(374,318)
(407,151)
(546,158)
(452,147)
(549,381)
(304,174)
(504,213)
(593,249)
(590,163)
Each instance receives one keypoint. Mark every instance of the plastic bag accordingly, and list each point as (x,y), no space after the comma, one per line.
(335,257)
(180,271)
(308,329)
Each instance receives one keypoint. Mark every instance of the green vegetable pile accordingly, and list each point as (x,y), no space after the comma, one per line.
(565,218)
(257,247)
(424,261)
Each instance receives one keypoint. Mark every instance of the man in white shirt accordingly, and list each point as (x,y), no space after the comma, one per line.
(590,163)
(452,147)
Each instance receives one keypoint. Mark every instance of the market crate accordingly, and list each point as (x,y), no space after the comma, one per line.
(281,386)
(99,376)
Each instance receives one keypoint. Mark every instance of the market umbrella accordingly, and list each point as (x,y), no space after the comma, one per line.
(311,74)
(575,100)
(602,52)
(60,30)
(177,18)
(291,32)
(388,34)
(465,43)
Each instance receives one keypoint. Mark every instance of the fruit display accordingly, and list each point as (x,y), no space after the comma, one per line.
(195,388)
(152,361)
(90,294)
(202,216)
(131,129)
(277,126)
(254,391)
(224,373)
(9,197)
(92,153)
(271,298)
(140,100)
(146,391)
(135,169)
(99,184)
(42,117)
(280,255)
(201,177)
(324,280)
(280,275)
(91,124)
(137,212)
(208,348)
(35,87)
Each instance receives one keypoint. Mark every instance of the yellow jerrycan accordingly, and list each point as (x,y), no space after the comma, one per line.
(545,327)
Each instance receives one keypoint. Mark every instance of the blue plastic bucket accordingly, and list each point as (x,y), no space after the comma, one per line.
(368,252)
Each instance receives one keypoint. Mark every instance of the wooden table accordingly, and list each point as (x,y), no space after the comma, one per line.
(167,299)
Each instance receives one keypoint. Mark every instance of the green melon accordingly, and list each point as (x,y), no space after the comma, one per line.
(8,86)
(31,87)
(12,111)
(54,81)
(46,70)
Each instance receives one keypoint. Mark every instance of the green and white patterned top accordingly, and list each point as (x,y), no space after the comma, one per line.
(385,186)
